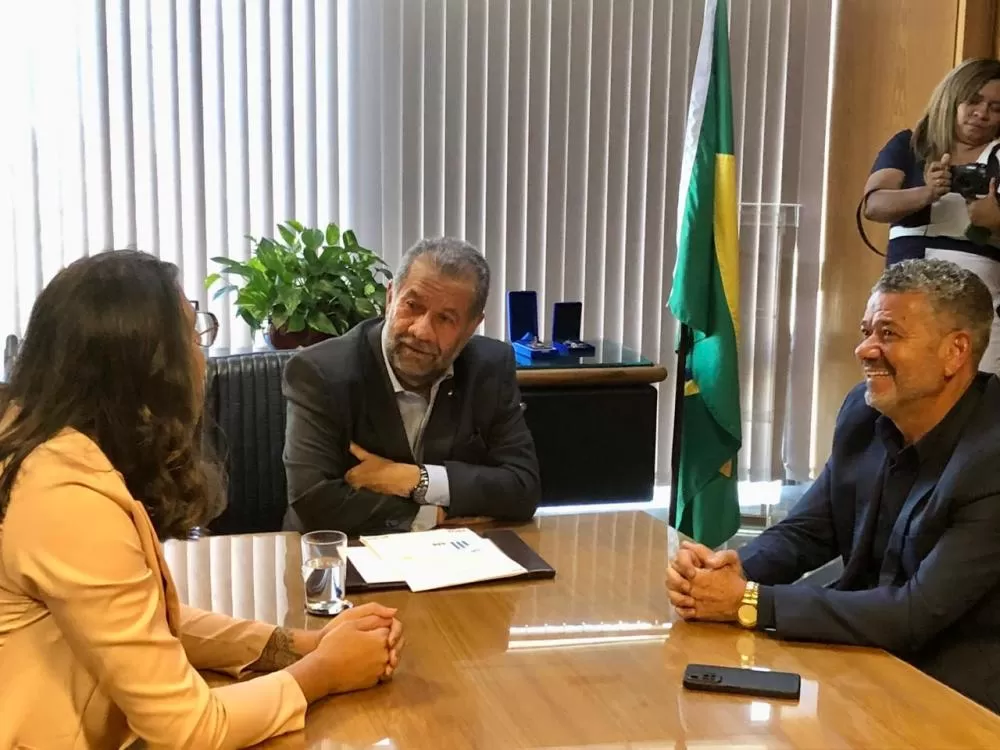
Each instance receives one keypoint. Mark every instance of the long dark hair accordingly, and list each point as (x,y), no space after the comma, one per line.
(109,352)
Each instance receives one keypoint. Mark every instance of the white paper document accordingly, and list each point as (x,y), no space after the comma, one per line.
(440,558)
(371,567)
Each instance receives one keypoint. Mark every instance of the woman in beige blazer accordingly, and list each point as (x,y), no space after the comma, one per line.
(99,460)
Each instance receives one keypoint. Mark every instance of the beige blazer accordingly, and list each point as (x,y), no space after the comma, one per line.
(95,649)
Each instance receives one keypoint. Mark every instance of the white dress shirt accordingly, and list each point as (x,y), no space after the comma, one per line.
(415,411)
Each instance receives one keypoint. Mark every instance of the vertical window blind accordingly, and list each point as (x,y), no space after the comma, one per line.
(547,132)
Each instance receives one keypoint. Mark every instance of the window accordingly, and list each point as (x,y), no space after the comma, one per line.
(548,133)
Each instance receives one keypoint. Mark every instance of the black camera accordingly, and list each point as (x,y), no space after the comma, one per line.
(971,180)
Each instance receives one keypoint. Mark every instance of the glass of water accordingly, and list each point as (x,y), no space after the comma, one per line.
(324,571)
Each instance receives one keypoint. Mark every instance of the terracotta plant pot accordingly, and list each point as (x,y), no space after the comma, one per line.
(282,339)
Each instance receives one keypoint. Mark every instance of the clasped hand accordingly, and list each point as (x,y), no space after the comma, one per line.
(358,650)
(373,616)
(705,585)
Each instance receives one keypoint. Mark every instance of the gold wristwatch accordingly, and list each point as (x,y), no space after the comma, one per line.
(747,612)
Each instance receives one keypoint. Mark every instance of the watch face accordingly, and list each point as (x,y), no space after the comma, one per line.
(747,615)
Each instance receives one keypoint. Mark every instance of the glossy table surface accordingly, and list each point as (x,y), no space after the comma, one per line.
(590,659)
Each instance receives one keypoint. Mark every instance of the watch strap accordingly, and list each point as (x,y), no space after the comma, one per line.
(419,493)
(750,600)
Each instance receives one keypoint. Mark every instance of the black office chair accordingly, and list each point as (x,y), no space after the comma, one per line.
(245,426)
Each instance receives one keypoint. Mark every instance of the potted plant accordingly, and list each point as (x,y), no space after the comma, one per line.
(308,286)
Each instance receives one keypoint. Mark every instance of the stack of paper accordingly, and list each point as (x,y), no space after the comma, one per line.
(435,559)
(371,567)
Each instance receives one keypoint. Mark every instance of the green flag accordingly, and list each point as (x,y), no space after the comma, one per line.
(705,297)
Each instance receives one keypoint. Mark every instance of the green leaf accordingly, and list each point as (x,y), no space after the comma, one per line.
(258,298)
(296,268)
(365,307)
(211,279)
(318,321)
(263,247)
(251,320)
(294,225)
(287,233)
(279,318)
(296,323)
(350,241)
(272,261)
(327,288)
(227,262)
(332,234)
(225,290)
(290,297)
(354,284)
(234,266)
(312,239)
(331,259)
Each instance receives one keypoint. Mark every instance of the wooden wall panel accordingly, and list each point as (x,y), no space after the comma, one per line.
(889,56)
(975,33)
(996,34)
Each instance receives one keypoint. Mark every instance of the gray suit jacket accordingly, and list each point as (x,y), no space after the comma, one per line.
(338,391)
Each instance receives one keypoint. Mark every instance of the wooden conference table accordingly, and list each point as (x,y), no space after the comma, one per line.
(590,659)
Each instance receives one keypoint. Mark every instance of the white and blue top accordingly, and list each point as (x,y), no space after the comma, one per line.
(942,225)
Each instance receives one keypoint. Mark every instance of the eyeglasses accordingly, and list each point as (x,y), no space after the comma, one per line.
(206,326)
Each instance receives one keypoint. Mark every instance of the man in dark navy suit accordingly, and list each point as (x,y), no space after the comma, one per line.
(909,499)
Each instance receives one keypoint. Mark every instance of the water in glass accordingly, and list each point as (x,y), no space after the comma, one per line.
(324,571)
(324,583)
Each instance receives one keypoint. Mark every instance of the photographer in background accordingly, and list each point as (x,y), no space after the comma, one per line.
(937,184)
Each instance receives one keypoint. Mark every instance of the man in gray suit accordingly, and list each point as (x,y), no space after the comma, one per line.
(404,422)
(909,500)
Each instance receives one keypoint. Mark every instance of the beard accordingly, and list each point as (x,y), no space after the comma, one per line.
(416,365)
(881,388)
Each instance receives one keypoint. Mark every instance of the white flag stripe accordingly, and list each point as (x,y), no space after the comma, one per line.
(696,111)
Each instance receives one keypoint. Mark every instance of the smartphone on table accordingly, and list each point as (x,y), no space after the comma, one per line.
(755,682)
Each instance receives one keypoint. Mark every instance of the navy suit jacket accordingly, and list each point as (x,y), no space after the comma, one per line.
(937,604)
(338,391)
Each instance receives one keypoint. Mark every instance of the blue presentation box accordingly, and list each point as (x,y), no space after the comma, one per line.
(566,320)
(522,327)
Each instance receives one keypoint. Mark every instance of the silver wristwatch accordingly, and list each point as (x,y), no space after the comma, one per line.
(419,493)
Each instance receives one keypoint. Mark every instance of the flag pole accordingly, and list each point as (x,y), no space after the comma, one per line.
(683,346)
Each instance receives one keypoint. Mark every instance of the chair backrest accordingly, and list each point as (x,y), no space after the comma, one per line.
(245,425)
